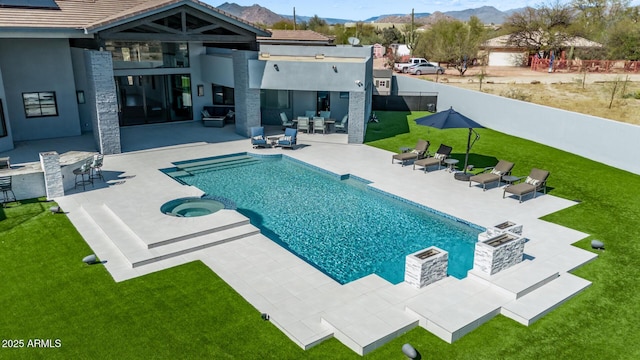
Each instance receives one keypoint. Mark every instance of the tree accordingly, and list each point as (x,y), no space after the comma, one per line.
(283,25)
(391,36)
(454,42)
(546,28)
(318,25)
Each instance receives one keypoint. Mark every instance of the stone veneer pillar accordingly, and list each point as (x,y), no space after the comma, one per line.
(357,117)
(498,253)
(247,100)
(425,267)
(102,96)
(50,162)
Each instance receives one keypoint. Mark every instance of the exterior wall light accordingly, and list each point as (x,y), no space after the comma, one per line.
(335,68)
(275,66)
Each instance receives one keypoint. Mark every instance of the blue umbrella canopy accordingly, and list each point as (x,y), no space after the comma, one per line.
(447,119)
(451,119)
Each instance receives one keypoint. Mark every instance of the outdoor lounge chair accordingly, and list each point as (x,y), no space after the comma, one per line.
(536,180)
(289,140)
(437,159)
(492,174)
(285,121)
(257,137)
(417,153)
(7,191)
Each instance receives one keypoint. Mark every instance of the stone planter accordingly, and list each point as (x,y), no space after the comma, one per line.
(507,226)
(498,253)
(426,266)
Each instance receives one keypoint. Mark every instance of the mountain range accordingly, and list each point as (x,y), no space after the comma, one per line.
(261,15)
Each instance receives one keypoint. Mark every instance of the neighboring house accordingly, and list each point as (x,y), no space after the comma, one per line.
(500,53)
(69,67)
(382,81)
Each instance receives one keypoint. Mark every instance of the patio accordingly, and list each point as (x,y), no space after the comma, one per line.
(307,305)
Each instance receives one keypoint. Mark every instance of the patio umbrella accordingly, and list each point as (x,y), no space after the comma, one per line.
(451,119)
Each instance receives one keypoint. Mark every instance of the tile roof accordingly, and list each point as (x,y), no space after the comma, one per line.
(81,14)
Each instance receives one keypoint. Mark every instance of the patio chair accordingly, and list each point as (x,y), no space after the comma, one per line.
(342,125)
(492,174)
(437,159)
(319,125)
(257,137)
(285,121)
(536,181)
(310,114)
(5,162)
(417,153)
(7,191)
(290,138)
(325,114)
(303,124)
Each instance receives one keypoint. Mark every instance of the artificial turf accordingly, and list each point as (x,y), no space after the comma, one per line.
(189,312)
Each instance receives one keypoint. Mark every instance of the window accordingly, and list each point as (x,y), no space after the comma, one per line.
(382,83)
(148,54)
(39,104)
(3,124)
(223,95)
(274,99)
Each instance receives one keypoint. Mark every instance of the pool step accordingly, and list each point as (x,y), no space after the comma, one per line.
(138,253)
(520,279)
(224,166)
(216,163)
(540,302)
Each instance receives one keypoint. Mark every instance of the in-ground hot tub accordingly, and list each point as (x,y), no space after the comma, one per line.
(191,207)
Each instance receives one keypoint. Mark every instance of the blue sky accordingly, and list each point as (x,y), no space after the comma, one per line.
(364,9)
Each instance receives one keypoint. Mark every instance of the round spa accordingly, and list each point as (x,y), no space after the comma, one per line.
(191,207)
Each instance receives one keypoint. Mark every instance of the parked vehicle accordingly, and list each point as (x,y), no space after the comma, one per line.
(404,66)
(425,68)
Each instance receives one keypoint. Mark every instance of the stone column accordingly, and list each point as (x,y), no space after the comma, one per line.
(426,267)
(357,117)
(102,96)
(247,100)
(50,162)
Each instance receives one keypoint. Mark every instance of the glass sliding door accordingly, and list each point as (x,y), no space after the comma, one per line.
(150,99)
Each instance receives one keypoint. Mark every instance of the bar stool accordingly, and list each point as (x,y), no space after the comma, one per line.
(7,191)
(96,167)
(82,171)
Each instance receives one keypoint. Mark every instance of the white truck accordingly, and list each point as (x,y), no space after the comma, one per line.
(404,66)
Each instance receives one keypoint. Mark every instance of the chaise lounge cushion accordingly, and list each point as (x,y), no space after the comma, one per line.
(536,180)
(418,152)
(501,169)
(437,159)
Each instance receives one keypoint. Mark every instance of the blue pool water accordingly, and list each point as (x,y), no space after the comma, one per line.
(341,226)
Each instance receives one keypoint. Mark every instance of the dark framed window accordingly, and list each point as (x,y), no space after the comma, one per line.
(274,99)
(40,104)
(3,124)
(223,95)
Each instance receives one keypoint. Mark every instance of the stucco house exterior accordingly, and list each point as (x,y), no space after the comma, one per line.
(73,66)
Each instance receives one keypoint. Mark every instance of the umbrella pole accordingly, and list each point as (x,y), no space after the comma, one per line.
(464,176)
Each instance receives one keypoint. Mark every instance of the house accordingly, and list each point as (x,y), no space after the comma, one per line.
(382,81)
(500,53)
(72,66)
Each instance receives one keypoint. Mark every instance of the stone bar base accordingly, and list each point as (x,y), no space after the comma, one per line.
(426,267)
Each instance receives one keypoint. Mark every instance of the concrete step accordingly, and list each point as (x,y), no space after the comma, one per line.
(519,280)
(536,304)
(139,253)
(364,329)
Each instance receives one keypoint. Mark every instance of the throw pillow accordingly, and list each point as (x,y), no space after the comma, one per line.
(532,181)
(497,172)
(285,138)
(259,137)
(414,151)
(439,156)
(205,113)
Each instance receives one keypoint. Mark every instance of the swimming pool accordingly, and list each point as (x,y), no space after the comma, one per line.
(338,224)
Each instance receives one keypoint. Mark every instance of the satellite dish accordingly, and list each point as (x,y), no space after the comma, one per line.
(353,40)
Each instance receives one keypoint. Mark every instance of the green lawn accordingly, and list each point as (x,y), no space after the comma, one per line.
(189,312)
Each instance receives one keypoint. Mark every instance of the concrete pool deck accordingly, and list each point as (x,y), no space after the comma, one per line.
(121,221)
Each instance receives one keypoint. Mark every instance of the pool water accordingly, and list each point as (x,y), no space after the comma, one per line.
(341,226)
